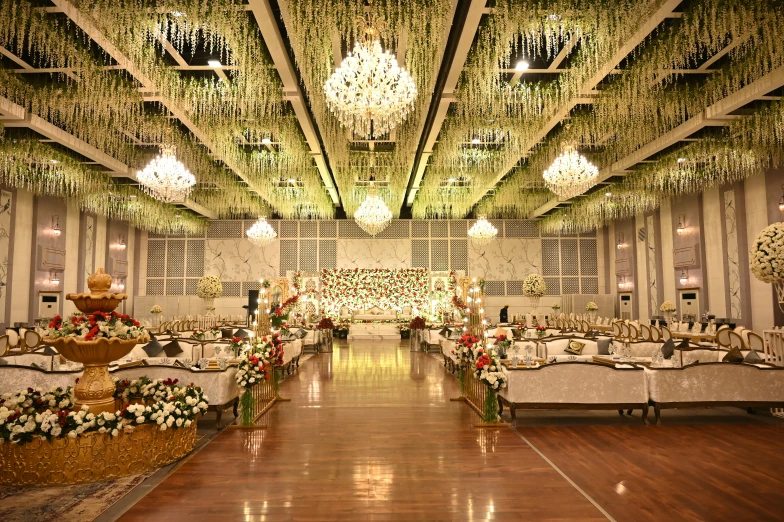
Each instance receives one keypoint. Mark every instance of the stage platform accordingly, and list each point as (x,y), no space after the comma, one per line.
(374,331)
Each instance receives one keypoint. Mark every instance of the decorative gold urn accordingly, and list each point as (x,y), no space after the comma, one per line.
(95,388)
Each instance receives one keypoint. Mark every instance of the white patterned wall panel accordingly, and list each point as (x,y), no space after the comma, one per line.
(553,285)
(247,286)
(194,266)
(225,229)
(288,256)
(175,258)
(174,287)
(420,229)
(328,229)
(570,285)
(439,229)
(551,261)
(494,288)
(288,229)
(458,254)
(514,288)
(155,287)
(89,246)
(308,229)
(420,253)
(398,229)
(350,230)
(589,285)
(6,209)
(328,254)
(232,289)
(190,286)
(520,228)
(569,258)
(733,262)
(156,258)
(439,254)
(588,258)
(308,255)
(458,228)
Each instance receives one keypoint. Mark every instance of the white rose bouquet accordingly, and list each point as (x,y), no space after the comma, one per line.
(156,309)
(667,307)
(556,306)
(209,287)
(591,307)
(534,286)
(767,254)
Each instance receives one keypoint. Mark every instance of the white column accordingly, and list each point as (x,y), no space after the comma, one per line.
(600,261)
(668,263)
(641,267)
(70,276)
(142,246)
(613,278)
(756,220)
(100,242)
(131,253)
(23,262)
(714,253)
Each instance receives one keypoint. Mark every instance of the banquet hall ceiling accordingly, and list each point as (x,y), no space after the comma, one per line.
(665,97)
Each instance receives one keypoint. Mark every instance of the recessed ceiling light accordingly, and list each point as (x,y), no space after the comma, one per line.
(476,141)
(54,161)
(133,196)
(452,180)
(292,180)
(608,194)
(681,160)
(522,65)
(214,63)
(266,141)
(177,14)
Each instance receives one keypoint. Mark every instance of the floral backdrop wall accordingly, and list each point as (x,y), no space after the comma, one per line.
(381,287)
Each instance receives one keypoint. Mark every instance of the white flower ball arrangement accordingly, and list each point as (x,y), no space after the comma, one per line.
(591,307)
(667,307)
(767,254)
(156,309)
(209,287)
(534,286)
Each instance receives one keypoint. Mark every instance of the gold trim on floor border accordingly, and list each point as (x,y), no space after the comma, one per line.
(93,457)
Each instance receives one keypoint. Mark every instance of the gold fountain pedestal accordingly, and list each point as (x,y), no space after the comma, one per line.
(95,388)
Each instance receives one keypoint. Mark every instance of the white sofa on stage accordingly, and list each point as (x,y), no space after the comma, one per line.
(374,314)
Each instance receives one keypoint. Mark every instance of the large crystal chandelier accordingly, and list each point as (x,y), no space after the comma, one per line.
(482,232)
(165,178)
(261,233)
(570,174)
(373,216)
(370,93)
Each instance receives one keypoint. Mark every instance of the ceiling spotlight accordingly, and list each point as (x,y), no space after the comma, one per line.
(132,196)
(177,14)
(292,180)
(54,161)
(266,141)
(476,141)
(681,160)
(522,65)
(608,194)
(214,63)
(452,180)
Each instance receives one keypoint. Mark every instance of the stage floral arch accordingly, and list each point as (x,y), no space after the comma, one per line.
(362,288)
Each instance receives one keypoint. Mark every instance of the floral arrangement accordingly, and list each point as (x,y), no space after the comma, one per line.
(767,254)
(389,289)
(534,286)
(156,309)
(541,331)
(281,313)
(209,287)
(405,331)
(459,304)
(591,307)
(417,323)
(556,306)
(216,332)
(257,364)
(198,334)
(464,348)
(143,388)
(94,326)
(31,413)
(667,307)
(502,343)
(237,344)
(325,324)
(487,368)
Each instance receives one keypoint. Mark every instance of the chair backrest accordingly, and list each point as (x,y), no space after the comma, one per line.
(736,340)
(3,345)
(32,339)
(625,330)
(634,333)
(655,334)
(723,337)
(756,342)
(616,327)
(645,332)
(585,326)
(13,338)
(665,333)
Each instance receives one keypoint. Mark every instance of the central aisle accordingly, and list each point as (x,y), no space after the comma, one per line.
(369,434)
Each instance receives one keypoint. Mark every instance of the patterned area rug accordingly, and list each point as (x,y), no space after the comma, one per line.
(65,504)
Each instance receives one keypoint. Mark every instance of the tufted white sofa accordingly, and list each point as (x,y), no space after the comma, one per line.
(374,314)
(576,385)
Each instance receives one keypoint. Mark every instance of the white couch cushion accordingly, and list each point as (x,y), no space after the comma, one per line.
(716,382)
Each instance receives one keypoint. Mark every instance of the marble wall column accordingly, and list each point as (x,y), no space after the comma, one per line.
(667,247)
(48,253)
(716,267)
(7,204)
(759,301)
(644,282)
(72,251)
(774,187)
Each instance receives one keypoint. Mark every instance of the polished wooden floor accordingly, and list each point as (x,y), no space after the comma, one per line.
(370,434)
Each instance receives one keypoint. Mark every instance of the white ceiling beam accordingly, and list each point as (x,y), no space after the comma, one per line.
(14,58)
(717,114)
(16,116)
(265,18)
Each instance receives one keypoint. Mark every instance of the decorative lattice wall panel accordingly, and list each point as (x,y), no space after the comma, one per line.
(328,229)
(232,289)
(420,229)
(288,229)
(458,228)
(156,259)
(592,233)
(288,255)
(153,235)
(225,229)
(194,264)
(514,288)
(570,285)
(520,228)
(308,255)
(553,285)
(328,257)
(551,262)
(175,258)
(569,258)
(439,229)
(350,230)
(458,254)
(589,285)
(175,287)
(308,229)
(155,287)
(439,254)
(190,286)
(398,229)
(420,253)
(588,261)
(494,288)
(248,286)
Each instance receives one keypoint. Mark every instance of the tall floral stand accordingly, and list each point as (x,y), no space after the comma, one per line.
(209,305)
(415,340)
(779,286)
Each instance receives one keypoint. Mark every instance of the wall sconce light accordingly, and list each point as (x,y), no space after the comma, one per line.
(121,243)
(620,240)
(121,284)
(684,277)
(56,225)
(54,278)
(681,223)
(781,201)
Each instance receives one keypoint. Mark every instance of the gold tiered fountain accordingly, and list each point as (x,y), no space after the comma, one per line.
(96,388)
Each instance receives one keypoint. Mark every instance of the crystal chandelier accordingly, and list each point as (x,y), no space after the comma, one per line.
(373,216)
(261,233)
(165,178)
(370,93)
(570,174)
(482,232)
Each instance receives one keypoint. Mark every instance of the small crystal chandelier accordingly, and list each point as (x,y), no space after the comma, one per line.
(482,232)
(261,233)
(373,216)
(570,174)
(165,178)
(370,93)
